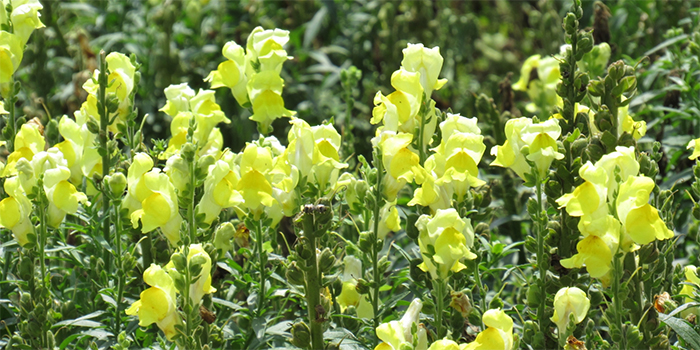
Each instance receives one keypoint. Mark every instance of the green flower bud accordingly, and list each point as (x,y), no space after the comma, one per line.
(188,152)
(116,183)
(570,24)
(326,261)
(196,264)
(362,286)
(179,261)
(301,335)
(534,296)
(294,274)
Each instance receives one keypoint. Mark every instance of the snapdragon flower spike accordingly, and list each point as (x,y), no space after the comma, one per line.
(11,52)
(15,211)
(497,336)
(121,74)
(25,17)
(28,142)
(183,105)
(202,284)
(349,295)
(569,301)
(158,303)
(451,238)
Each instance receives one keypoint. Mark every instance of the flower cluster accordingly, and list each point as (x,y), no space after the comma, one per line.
(613,204)
(528,141)
(28,167)
(444,240)
(253,74)
(23,20)
(498,335)
(158,304)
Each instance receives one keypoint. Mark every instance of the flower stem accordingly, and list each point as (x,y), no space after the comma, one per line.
(617,302)
(313,285)
(120,267)
(439,289)
(541,228)
(376,245)
(259,237)
(104,122)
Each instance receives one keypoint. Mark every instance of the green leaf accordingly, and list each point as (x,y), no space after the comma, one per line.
(683,329)
(83,321)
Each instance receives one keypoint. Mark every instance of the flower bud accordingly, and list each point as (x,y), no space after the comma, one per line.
(362,286)
(188,151)
(179,261)
(116,183)
(294,274)
(570,24)
(301,335)
(326,260)
(196,264)
(534,296)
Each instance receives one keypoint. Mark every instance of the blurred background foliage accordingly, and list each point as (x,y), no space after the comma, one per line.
(482,42)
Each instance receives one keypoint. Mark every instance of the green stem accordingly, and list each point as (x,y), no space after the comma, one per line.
(313,285)
(541,230)
(421,130)
(106,160)
(41,243)
(617,303)
(120,267)
(191,224)
(187,307)
(439,288)
(259,237)
(376,247)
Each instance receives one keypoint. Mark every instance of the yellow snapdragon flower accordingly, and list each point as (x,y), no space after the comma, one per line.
(543,90)
(254,186)
(326,158)
(121,74)
(508,155)
(497,336)
(589,197)
(15,211)
(349,295)
(451,238)
(640,220)
(569,301)
(265,93)
(11,53)
(151,198)
(401,163)
(231,73)
(25,17)
(542,141)
(399,109)
(219,191)
(395,334)
(695,146)
(158,303)
(62,195)
(688,289)
(28,142)
(596,250)
(267,48)
(428,63)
